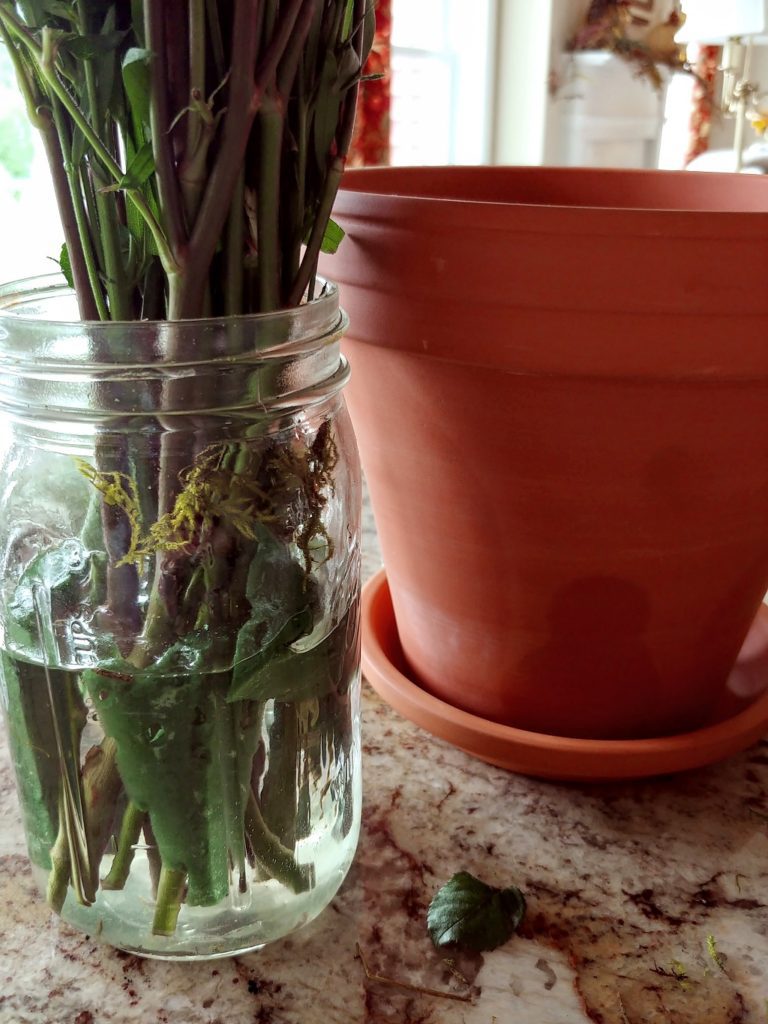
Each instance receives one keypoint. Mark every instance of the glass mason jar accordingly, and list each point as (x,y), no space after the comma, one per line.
(179,629)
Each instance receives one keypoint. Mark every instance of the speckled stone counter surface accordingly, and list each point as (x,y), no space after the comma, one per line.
(625,885)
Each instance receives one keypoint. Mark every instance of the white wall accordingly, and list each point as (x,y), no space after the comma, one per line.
(530,65)
(522,67)
(567,15)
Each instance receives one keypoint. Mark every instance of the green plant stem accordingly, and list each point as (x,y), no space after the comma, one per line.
(194,169)
(160,120)
(158,627)
(293,258)
(89,309)
(308,266)
(270,126)
(101,788)
(245,96)
(81,219)
(289,61)
(122,580)
(336,168)
(277,801)
(153,856)
(130,830)
(228,742)
(86,190)
(275,858)
(61,865)
(115,278)
(170,893)
(120,305)
(235,253)
(196,22)
(216,41)
(217,198)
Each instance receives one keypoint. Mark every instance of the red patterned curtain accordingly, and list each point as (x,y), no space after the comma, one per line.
(706,67)
(370,145)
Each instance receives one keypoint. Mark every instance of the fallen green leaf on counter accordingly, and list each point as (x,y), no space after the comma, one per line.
(470,915)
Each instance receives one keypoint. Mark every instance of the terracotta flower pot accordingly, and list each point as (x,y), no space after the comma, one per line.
(560,391)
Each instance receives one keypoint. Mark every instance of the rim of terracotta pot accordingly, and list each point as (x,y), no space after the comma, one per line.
(566,271)
(612,190)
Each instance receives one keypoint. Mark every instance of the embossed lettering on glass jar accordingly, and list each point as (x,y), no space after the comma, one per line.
(179,532)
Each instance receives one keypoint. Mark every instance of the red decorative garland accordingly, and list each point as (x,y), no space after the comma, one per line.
(701,116)
(370,145)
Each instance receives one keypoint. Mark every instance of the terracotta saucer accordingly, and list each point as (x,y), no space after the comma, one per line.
(550,757)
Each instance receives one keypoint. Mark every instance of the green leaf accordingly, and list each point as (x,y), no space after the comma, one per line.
(282,673)
(332,237)
(173,739)
(140,167)
(346,27)
(137,19)
(139,170)
(66,265)
(80,146)
(282,612)
(472,916)
(59,9)
(91,47)
(136,79)
(32,737)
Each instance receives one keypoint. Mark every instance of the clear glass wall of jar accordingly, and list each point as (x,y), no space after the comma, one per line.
(179,535)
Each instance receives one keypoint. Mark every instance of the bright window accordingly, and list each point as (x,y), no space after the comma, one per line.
(442,66)
(30,232)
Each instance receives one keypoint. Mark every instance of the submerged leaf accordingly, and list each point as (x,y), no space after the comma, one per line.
(473,916)
(175,735)
(282,611)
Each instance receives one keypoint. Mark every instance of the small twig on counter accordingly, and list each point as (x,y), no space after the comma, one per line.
(677,972)
(406,985)
(451,965)
(717,957)
(622,1010)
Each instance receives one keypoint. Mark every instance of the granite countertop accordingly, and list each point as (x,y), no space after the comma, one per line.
(648,902)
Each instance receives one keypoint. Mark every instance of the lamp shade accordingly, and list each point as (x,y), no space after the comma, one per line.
(716,21)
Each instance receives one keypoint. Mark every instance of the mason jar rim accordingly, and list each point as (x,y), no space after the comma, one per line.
(23,316)
(69,369)
(47,285)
